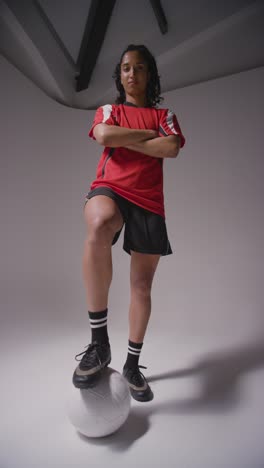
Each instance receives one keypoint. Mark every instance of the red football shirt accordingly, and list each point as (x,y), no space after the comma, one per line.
(133,175)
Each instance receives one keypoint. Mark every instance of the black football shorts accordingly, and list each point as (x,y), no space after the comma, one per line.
(145,231)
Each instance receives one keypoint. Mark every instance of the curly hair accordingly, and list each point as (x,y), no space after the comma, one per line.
(153,87)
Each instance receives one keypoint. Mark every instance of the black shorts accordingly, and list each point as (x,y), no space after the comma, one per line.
(145,231)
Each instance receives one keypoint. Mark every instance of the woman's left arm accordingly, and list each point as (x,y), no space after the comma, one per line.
(160,147)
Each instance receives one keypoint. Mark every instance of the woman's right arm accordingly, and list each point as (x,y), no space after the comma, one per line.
(114,136)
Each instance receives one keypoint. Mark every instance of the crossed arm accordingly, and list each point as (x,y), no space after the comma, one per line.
(144,141)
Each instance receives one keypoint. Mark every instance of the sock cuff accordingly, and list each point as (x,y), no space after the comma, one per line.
(98,319)
(135,345)
(134,348)
(98,315)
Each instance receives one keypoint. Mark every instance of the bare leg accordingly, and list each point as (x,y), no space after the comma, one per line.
(103,219)
(143,267)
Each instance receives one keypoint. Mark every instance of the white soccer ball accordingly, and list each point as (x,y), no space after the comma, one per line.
(102,409)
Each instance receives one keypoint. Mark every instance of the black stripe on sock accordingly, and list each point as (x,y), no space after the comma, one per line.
(98,315)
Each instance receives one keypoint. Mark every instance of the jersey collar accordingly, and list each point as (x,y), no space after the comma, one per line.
(127,103)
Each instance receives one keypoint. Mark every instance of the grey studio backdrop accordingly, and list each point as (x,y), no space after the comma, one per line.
(211,286)
(207,297)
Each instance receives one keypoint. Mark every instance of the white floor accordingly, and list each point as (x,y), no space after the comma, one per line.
(207,409)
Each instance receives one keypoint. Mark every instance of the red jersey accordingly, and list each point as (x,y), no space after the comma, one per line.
(133,175)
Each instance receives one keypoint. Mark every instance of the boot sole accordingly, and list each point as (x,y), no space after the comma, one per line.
(148,397)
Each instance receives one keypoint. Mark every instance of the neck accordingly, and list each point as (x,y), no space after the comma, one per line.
(139,101)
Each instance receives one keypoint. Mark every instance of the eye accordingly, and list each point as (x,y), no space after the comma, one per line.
(141,68)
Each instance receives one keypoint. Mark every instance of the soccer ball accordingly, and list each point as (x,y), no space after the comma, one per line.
(102,409)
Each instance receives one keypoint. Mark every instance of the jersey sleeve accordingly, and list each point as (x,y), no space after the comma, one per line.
(169,125)
(104,114)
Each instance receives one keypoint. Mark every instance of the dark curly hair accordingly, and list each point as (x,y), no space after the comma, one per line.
(153,87)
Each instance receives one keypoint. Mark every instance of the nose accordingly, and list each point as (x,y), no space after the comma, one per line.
(132,71)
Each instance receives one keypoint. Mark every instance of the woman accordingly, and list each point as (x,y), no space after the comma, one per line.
(128,190)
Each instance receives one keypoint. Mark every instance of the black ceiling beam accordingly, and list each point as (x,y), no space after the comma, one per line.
(98,18)
(160,15)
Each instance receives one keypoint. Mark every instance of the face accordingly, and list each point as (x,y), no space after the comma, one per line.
(134,74)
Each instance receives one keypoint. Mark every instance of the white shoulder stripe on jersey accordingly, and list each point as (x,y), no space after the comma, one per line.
(169,120)
(107,109)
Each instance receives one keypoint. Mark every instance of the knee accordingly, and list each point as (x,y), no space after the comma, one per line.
(141,286)
(100,228)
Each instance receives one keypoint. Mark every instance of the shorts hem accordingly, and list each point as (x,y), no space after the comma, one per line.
(127,249)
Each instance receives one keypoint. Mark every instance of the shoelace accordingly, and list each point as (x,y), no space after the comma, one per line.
(137,376)
(88,358)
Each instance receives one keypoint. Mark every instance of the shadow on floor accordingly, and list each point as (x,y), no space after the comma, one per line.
(219,373)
